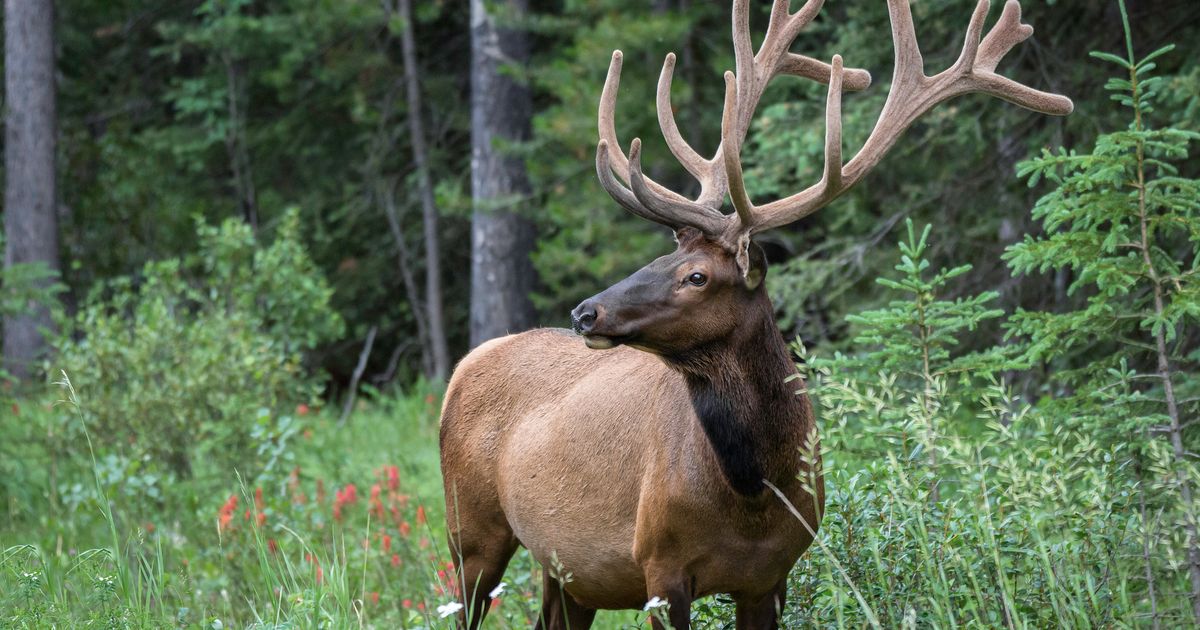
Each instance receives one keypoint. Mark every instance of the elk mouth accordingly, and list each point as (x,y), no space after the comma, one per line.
(604,342)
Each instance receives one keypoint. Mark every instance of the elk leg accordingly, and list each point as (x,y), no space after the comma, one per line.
(481,561)
(678,594)
(560,611)
(762,613)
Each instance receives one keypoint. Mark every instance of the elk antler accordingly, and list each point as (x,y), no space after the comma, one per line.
(912,94)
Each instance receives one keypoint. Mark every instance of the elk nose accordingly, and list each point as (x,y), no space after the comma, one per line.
(583,318)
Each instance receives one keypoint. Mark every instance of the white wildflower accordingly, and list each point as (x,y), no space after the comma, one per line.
(445,610)
(655,602)
(498,591)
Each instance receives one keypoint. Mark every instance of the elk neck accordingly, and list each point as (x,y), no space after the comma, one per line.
(750,412)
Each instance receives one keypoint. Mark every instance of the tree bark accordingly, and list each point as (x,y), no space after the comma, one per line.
(30,142)
(502,274)
(416,128)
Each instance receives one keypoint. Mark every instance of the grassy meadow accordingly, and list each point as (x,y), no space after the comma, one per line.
(1032,529)
(350,533)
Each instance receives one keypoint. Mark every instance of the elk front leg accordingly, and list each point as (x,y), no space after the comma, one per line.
(676,590)
(763,612)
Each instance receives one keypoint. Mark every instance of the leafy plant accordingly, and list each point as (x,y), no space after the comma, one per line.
(191,362)
(1125,221)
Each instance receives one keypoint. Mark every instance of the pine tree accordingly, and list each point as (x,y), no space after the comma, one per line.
(914,338)
(1126,224)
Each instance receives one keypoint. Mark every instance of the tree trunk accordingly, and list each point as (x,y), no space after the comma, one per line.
(502,275)
(30,200)
(416,128)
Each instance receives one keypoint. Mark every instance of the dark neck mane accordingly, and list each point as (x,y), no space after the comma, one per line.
(753,418)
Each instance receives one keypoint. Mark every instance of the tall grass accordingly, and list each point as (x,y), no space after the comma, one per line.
(1034,527)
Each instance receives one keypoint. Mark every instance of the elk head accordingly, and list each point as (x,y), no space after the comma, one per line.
(695,294)
(677,302)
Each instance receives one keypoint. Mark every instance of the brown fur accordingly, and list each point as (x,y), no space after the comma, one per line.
(600,459)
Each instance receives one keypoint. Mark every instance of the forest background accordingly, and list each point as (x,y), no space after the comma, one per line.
(269,227)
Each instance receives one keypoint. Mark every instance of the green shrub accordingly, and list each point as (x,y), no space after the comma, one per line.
(193,361)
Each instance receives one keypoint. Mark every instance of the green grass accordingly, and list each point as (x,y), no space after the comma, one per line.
(148,565)
(1035,528)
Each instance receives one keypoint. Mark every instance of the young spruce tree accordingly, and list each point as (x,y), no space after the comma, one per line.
(1126,224)
(914,339)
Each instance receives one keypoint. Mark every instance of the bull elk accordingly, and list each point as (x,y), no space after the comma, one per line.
(638,459)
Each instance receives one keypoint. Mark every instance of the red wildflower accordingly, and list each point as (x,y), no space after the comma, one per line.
(321,491)
(16,409)
(386,543)
(495,603)
(374,597)
(225,514)
(149,527)
(395,560)
(376,503)
(258,499)
(406,603)
(320,576)
(424,543)
(421,606)
(302,409)
(247,514)
(405,528)
(261,518)
(272,546)
(344,497)
(393,478)
(420,515)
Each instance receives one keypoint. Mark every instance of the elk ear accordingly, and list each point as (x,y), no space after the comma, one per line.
(751,261)
(687,235)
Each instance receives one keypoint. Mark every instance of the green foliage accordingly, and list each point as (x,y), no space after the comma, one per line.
(916,336)
(177,359)
(1124,220)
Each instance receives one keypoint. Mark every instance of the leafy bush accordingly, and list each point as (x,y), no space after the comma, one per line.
(192,360)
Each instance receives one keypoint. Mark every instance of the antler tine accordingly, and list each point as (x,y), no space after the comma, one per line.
(742,92)
(699,167)
(619,193)
(744,65)
(833,128)
(782,31)
(685,213)
(608,128)
(731,153)
(970,49)
(1007,33)
(912,95)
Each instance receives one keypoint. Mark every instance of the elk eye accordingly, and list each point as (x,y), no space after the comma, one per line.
(697,279)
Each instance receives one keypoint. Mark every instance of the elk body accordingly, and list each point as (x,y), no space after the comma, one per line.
(638,460)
